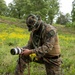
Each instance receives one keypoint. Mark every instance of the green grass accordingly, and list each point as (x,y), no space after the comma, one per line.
(13,21)
(8,18)
(8,41)
(67,42)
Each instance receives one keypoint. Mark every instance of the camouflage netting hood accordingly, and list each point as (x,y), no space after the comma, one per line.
(32,22)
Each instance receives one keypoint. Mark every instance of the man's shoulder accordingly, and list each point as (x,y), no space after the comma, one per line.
(50,30)
(50,27)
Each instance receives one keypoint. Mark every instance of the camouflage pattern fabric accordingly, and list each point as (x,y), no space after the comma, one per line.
(45,44)
(53,66)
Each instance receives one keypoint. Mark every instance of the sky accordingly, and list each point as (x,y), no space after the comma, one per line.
(65,5)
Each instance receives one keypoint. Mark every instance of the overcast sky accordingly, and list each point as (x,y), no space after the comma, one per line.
(65,5)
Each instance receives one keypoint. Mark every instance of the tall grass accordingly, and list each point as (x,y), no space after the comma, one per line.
(67,41)
(8,18)
(12,36)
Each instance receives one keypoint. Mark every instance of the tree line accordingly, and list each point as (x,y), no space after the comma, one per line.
(47,9)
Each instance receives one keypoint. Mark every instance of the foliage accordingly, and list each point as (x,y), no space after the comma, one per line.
(70,24)
(3,7)
(73,11)
(63,19)
(53,9)
(47,9)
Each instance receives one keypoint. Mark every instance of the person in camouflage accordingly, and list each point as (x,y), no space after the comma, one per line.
(44,43)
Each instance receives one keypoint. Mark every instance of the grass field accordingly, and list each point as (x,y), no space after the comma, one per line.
(13,36)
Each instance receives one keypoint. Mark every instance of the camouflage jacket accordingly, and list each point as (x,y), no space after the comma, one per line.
(44,41)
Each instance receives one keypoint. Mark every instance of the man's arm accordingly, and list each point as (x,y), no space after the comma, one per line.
(47,46)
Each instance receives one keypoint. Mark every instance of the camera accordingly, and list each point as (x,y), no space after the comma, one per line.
(16,51)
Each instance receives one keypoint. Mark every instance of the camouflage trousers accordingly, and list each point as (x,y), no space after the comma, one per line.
(53,66)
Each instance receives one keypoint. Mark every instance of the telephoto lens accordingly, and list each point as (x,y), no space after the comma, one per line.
(15,51)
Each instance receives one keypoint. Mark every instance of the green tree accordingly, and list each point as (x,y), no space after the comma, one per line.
(47,9)
(73,11)
(53,8)
(39,7)
(17,8)
(25,7)
(3,7)
(63,19)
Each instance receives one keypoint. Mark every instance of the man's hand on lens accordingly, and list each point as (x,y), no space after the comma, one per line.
(26,52)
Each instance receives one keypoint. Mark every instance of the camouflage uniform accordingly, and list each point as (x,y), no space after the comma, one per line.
(45,44)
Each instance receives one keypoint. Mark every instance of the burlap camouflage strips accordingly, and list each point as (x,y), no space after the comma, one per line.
(45,44)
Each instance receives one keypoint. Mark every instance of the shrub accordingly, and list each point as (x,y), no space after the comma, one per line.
(70,24)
